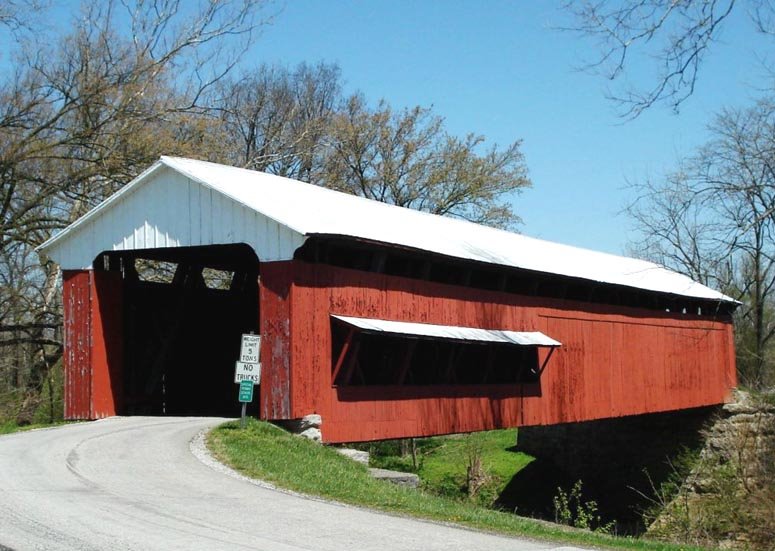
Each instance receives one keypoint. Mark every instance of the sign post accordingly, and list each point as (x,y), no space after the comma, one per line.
(245,396)
(247,371)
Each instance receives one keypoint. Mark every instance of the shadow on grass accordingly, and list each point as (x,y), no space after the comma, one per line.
(529,493)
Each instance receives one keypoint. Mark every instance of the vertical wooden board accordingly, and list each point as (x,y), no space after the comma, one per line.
(195,213)
(680,367)
(77,360)
(658,382)
(555,386)
(311,355)
(319,354)
(306,351)
(730,379)
(646,367)
(322,305)
(634,366)
(609,367)
(106,344)
(275,297)
(617,372)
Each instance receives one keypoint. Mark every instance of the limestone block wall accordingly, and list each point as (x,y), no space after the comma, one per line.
(618,460)
(728,498)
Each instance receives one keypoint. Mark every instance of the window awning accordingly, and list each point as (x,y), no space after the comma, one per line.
(450,332)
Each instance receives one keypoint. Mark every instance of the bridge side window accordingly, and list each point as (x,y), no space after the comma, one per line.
(377,358)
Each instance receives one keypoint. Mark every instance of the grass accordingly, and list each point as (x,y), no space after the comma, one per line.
(266,452)
(8,427)
(444,473)
(497,451)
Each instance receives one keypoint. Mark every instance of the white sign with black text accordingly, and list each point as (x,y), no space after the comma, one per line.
(248,372)
(249,350)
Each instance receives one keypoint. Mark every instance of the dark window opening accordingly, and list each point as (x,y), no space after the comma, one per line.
(378,359)
(217,279)
(155,271)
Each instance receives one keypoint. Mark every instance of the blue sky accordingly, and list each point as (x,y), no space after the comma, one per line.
(500,69)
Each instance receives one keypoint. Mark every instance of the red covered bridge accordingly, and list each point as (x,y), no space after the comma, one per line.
(385,321)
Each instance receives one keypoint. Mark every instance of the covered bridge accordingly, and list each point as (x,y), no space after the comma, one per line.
(386,321)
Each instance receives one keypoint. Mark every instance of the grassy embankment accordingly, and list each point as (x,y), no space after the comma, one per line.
(441,462)
(268,453)
(10,426)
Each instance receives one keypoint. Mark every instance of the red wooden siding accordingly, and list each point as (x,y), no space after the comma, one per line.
(77,354)
(106,343)
(274,320)
(614,360)
(93,343)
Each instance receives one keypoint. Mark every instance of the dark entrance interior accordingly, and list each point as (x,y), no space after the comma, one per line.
(184,310)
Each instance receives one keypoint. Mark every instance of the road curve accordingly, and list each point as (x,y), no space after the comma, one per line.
(133,483)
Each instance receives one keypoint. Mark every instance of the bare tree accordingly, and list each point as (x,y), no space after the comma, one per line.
(80,116)
(676,36)
(715,221)
(296,123)
(275,119)
(17,15)
(408,159)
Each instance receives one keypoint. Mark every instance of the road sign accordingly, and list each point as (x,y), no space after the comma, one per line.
(249,349)
(246,391)
(247,372)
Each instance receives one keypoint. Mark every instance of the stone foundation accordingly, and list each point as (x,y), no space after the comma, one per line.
(728,499)
(618,460)
(308,426)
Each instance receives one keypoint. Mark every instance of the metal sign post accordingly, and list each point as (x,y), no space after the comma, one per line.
(248,371)
(245,396)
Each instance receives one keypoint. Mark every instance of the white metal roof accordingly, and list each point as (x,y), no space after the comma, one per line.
(275,215)
(449,332)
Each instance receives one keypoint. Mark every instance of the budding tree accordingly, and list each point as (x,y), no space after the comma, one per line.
(82,114)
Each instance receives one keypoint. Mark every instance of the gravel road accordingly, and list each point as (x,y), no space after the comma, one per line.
(134,483)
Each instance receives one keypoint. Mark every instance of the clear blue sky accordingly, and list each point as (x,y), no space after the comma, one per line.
(500,69)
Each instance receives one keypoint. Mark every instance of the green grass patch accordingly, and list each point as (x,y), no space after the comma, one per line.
(266,452)
(8,427)
(442,462)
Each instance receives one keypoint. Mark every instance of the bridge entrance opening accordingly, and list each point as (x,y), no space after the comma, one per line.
(183,313)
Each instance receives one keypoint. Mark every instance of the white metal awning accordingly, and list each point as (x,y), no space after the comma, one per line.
(450,332)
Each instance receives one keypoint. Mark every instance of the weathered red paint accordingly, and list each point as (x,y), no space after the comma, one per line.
(614,361)
(93,335)
(77,350)
(106,343)
(275,323)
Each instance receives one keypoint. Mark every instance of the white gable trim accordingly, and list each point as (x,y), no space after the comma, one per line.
(165,208)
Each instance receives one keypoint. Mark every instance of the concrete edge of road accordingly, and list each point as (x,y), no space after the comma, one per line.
(198,448)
